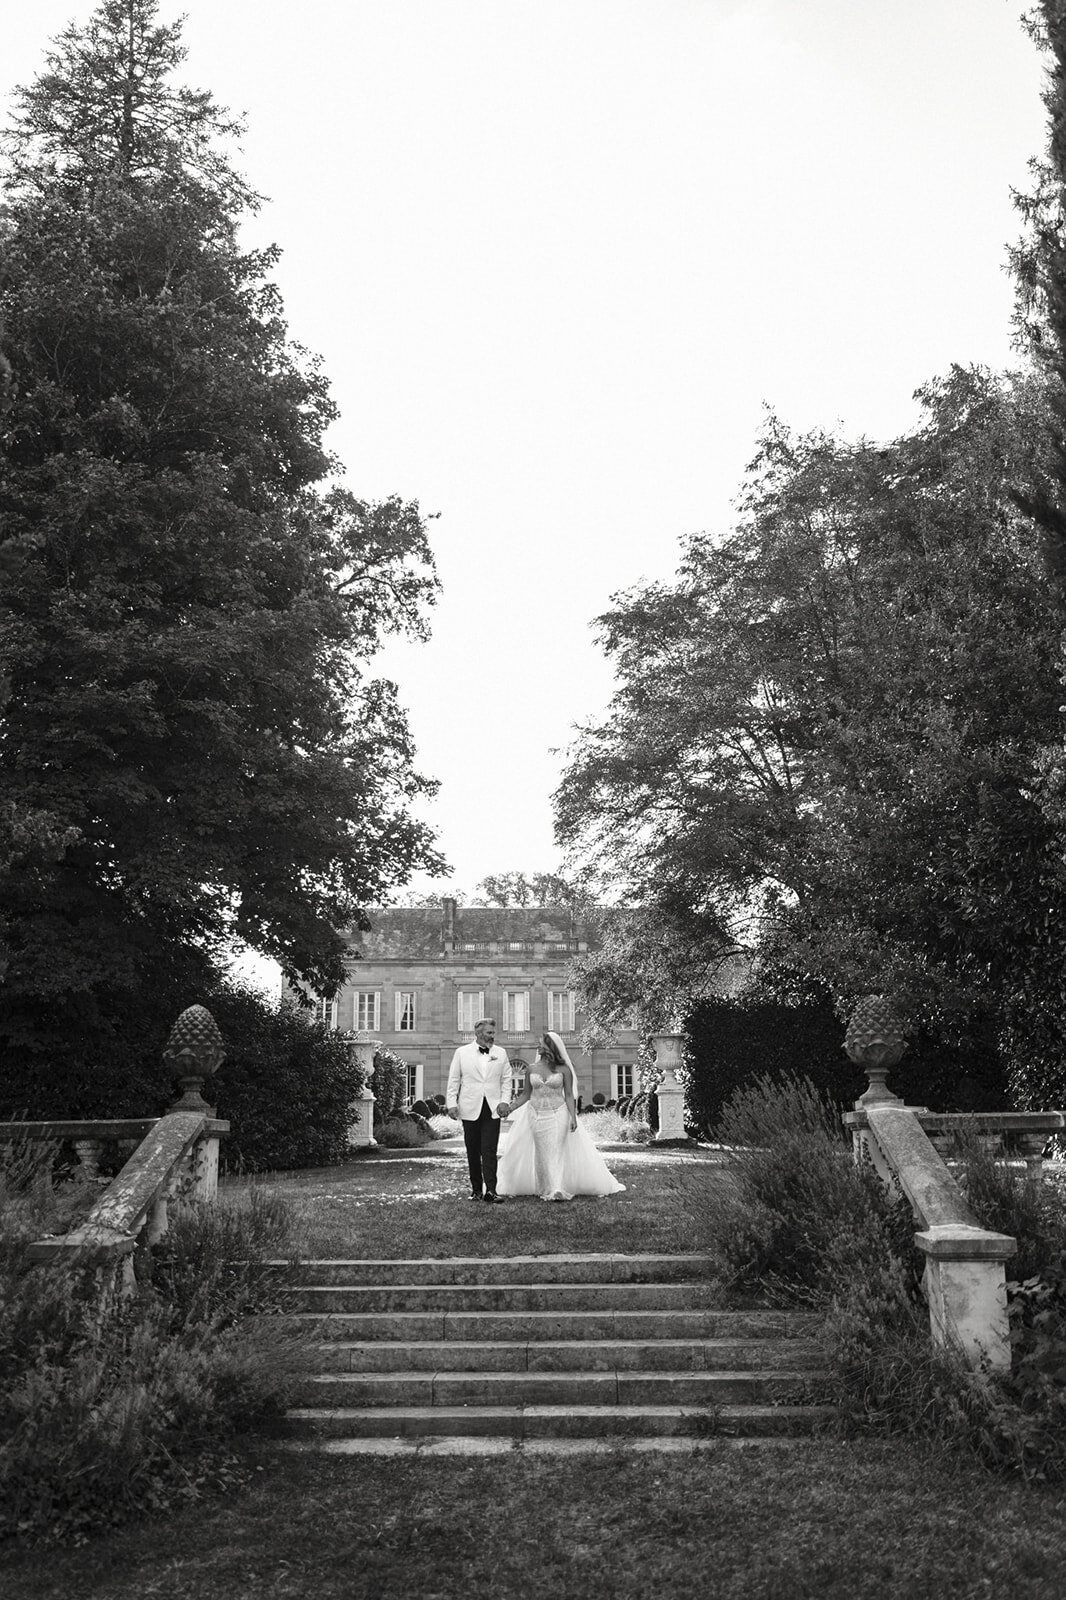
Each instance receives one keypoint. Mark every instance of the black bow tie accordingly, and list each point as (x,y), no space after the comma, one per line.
(483,1049)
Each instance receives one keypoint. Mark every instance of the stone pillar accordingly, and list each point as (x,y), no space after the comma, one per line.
(670,1094)
(965,1284)
(361,1127)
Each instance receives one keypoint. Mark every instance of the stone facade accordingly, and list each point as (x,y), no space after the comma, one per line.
(420,977)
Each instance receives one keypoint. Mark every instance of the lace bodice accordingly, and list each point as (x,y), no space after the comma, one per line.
(547,1093)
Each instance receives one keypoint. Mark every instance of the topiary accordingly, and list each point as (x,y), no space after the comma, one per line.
(421,1108)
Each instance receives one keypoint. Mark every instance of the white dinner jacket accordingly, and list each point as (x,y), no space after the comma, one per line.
(473,1077)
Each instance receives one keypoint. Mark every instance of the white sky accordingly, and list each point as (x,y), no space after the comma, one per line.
(556,254)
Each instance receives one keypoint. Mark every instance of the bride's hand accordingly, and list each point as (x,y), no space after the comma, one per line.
(573,1124)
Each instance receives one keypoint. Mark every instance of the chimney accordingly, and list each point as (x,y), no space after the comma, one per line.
(448,924)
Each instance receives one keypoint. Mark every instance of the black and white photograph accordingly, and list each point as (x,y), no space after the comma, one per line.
(533,800)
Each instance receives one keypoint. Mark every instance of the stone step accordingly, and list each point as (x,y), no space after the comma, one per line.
(583,1355)
(534,1327)
(477,1390)
(500,1270)
(515,1297)
(558,1422)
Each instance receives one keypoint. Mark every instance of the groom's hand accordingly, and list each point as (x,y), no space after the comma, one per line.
(453,1112)
(504,1108)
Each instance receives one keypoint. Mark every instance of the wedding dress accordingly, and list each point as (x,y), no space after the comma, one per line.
(539,1155)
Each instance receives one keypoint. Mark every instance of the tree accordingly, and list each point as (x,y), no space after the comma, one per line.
(1039,263)
(189,602)
(822,745)
(526,889)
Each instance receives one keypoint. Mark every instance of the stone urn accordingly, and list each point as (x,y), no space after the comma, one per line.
(670,1094)
(875,1041)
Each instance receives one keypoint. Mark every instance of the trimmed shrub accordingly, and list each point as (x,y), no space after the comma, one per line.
(287,1085)
(403,1133)
(729,1043)
(421,1108)
(634,1132)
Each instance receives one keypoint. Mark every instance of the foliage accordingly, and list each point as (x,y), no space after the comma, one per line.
(891,1377)
(192,747)
(117,1408)
(730,1041)
(389,1083)
(824,738)
(1039,263)
(1007,1201)
(526,889)
(287,1085)
(402,1133)
(794,1191)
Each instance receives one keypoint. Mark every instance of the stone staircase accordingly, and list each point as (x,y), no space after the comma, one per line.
(541,1348)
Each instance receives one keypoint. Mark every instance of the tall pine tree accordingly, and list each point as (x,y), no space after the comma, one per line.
(188,606)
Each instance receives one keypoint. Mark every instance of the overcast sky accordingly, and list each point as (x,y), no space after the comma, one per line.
(558,254)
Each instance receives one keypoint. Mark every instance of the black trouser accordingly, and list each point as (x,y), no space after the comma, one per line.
(482,1141)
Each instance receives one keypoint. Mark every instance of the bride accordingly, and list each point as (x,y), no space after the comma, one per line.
(547,1152)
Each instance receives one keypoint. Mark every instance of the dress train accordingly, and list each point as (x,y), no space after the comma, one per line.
(539,1155)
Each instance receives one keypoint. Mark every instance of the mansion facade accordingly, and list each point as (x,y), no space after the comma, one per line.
(421,976)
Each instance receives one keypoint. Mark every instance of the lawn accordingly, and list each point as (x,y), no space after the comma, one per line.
(862,1519)
(415,1204)
(832,1520)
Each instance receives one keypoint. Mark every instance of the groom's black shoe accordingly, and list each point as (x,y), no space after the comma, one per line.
(477,1195)
(492,1199)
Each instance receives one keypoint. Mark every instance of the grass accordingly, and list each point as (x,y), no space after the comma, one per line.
(409,1205)
(865,1521)
(895,1519)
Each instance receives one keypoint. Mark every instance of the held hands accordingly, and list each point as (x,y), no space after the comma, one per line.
(504,1109)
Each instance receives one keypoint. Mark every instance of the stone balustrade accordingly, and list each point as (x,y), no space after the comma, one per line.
(176,1157)
(965,1279)
(965,1274)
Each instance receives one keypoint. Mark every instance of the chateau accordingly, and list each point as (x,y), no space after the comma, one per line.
(421,976)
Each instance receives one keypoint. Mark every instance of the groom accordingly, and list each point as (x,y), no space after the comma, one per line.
(476,1092)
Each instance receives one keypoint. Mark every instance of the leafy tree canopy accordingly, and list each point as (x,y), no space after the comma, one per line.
(823,741)
(190,599)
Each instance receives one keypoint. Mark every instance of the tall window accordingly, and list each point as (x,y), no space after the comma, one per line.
(516,1011)
(471,1008)
(327,1012)
(622,1080)
(368,1010)
(413,1086)
(561,1010)
(405,1011)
